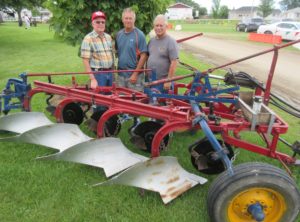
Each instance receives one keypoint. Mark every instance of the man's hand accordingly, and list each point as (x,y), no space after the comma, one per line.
(133,77)
(94,83)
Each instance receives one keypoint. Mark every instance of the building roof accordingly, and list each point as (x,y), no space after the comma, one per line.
(294,10)
(179,5)
(246,9)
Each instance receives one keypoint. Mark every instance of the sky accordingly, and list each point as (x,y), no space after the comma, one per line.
(232,3)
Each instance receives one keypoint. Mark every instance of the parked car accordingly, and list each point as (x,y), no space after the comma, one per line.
(249,24)
(287,30)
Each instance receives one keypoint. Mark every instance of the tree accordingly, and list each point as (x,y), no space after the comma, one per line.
(224,11)
(266,7)
(196,7)
(289,4)
(216,8)
(71,20)
(202,11)
(18,5)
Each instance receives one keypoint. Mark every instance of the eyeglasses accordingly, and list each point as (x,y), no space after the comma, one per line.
(99,22)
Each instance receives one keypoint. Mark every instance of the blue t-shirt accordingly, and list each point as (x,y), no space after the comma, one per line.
(126,44)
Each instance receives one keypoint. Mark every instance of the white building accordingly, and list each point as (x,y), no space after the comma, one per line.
(244,12)
(274,16)
(179,11)
(293,14)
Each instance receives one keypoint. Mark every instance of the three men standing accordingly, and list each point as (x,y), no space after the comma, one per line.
(132,52)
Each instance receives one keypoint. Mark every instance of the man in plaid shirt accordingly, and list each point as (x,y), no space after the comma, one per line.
(97,52)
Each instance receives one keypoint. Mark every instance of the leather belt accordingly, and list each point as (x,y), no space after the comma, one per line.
(100,69)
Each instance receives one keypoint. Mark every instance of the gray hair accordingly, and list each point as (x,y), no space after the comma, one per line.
(161,17)
(128,10)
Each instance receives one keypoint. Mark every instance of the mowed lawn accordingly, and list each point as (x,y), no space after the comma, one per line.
(36,190)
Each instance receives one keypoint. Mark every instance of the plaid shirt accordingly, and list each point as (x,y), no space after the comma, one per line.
(98,49)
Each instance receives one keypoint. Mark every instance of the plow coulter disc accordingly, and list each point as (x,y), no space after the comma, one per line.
(162,174)
(72,113)
(203,157)
(24,121)
(144,134)
(57,136)
(107,153)
(112,125)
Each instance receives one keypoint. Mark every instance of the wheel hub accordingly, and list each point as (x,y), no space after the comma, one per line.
(272,203)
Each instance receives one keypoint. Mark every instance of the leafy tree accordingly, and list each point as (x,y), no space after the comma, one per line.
(266,7)
(18,5)
(72,19)
(202,11)
(216,8)
(196,7)
(224,11)
(289,4)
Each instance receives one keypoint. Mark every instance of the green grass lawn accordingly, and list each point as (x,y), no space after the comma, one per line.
(34,191)
(213,28)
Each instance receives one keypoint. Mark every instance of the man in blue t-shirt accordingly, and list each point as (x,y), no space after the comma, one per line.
(132,52)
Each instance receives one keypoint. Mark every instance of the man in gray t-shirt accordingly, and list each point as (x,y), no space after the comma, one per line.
(163,52)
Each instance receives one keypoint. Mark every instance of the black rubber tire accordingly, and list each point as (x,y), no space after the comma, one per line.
(72,113)
(268,32)
(247,176)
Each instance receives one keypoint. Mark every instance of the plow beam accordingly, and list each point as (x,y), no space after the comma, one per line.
(162,174)
(24,121)
(57,136)
(107,153)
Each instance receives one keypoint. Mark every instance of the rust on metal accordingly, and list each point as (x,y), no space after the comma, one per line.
(172,180)
(181,190)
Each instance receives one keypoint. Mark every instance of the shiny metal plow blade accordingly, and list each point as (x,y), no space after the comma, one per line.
(162,174)
(24,121)
(57,136)
(107,153)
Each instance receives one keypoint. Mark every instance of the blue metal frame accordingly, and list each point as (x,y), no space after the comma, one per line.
(200,119)
(205,96)
(19,90)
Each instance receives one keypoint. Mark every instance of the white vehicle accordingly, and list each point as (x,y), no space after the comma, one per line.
(287,30)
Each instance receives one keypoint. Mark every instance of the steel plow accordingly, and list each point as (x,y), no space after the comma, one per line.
(161,174)
(24,121)
(57,136)
(107,153)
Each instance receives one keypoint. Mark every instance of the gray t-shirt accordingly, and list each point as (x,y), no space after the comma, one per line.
(161,52)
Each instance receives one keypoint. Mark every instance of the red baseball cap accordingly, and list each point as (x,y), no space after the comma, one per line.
(98,14)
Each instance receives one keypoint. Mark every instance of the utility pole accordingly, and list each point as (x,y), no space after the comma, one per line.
(251,13)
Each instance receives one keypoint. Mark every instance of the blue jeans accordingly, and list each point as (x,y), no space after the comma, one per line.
(103,79)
